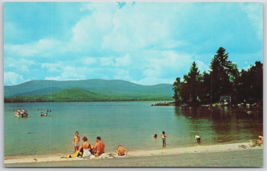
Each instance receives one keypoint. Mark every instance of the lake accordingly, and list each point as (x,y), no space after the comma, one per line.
(130,124)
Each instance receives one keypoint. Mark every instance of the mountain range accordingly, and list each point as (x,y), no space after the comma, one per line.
(85,90)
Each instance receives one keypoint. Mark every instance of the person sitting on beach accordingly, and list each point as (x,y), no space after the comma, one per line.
(121,151)
(163,136)
(155,136)
(259,142)
(85,148)
(99,147)
(76,140)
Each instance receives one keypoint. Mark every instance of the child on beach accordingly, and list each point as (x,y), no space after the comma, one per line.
(76,140)
(121,151)
(163,136)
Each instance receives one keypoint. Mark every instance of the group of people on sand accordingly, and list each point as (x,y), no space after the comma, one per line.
(42,113)
(163,137)
(86,149)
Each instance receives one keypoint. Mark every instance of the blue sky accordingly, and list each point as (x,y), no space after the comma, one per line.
(143,42)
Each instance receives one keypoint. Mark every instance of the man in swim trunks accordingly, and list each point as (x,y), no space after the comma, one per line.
(76,140)
(99,147)
(121,151)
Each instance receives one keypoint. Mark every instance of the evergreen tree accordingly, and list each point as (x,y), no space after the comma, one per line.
(193,80)
(220,80)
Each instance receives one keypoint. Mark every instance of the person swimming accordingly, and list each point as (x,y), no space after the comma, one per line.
(45,114)
(155,136)
(197,138)
(42,114)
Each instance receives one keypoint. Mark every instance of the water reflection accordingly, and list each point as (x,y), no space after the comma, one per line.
(223,124)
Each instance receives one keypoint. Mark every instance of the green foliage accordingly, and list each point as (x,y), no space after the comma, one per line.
(81,95)
(187,90)
(224,79)
(219,76)
(177,87)
(249,84)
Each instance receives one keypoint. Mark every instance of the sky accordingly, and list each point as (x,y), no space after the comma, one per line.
(146,43)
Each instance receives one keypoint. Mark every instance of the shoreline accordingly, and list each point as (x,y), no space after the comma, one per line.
(136,153)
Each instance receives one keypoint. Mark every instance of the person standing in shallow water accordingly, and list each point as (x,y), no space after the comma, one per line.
(76,140)
(163,136)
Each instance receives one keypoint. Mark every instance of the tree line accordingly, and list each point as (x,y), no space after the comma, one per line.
(223,79)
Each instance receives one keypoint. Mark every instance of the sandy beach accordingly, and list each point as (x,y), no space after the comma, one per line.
(162,154)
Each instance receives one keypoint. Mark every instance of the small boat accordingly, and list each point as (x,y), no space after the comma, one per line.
(17,114)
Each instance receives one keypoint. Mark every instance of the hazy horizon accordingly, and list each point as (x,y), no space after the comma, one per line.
(91,79)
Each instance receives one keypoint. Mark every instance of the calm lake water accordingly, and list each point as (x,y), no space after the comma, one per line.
(131,124)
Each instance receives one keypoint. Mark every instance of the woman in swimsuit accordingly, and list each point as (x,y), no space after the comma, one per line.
(85,148)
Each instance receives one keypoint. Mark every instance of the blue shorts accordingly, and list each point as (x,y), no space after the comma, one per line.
(163,140)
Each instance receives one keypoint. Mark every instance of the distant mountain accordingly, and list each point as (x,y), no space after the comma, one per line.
(39,91)
(99,90)
(81,95)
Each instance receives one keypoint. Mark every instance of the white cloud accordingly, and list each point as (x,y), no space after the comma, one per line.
(118,62)
(165,67)
(137,27)
(122,74)
(88,60)
(43,47)
(89,31)
(18,65)
(170,62)
(123,61)
(53,67)
(128,28)
(201,66)
(106,61)
(12,78)
(71,73)
(254,12)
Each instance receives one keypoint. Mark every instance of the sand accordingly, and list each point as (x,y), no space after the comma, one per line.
(239,158)
(136,153)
